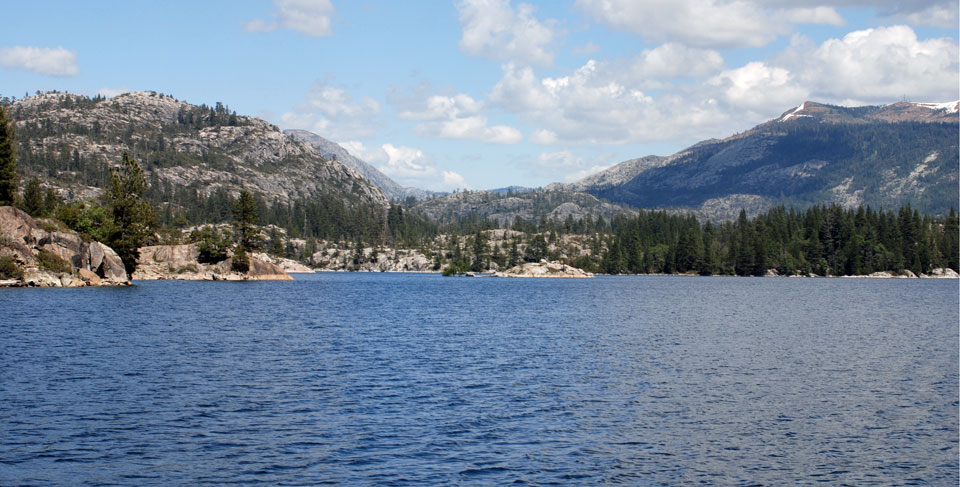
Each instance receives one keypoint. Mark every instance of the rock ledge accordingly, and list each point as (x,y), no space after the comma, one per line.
(544,269)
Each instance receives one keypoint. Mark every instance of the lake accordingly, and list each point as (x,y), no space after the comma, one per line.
(393,379)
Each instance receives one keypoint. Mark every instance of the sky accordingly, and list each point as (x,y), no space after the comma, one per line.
(482,94)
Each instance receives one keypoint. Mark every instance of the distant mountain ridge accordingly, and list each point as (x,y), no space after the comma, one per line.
(335,151)
(73,139)
(884,156)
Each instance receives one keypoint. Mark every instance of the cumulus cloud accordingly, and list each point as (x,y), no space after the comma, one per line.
(941,14)
(308,17)
(938,13)
(408,166)
(456,117)
(876,66)
(671,60)
(813,15)
(708,23)
(40,60)
(699,23)
(638,101)
(334,113)
(592,105)
(758,87)
(495,30)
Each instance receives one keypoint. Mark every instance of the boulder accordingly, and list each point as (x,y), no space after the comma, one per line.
(544,269)
(179,262)
(23,239)
(942,273)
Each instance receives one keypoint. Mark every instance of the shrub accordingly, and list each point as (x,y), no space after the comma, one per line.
(9,268)
(52,262)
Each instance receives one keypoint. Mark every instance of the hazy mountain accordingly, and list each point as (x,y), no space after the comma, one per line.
(72,140)
(335,151)
(530,205)
(883,156)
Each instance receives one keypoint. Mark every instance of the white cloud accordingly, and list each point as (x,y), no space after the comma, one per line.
(408,166)
(671,60)
(943,14)
(641,101)
(40,60)
(456,117)
(495,30)
(710,23)
(699,23)
(592,105)
(758,87)
(308,17)
(876,66)
(939,13)
(332,112)
(813,15)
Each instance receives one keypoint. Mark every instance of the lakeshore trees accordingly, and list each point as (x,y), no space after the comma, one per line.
(133,217)
(9,182)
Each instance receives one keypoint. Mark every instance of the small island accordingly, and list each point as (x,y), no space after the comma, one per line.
(544,269)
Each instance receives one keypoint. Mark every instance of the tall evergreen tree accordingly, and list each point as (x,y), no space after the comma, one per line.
(33,198)
(245,217)
(133,217)
(9,182)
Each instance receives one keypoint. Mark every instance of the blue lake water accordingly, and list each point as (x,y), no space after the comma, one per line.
(386,379)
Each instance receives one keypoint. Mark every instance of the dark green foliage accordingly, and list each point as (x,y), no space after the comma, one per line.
(51,262)
(133,217)
(480,257)
(9,181)
(33,199)
(275,246)
(536,249)
(823,240)
(9,268)
(245,218)
(241,261)
(211,245)
(91,222)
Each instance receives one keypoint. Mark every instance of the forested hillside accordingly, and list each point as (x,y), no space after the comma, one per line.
(196,158)
(883,157)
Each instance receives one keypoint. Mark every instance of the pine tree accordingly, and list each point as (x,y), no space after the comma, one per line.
(245,217)
(133,217)
(33,199)
(9,181)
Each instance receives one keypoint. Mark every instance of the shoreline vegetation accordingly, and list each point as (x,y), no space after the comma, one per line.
(240,236)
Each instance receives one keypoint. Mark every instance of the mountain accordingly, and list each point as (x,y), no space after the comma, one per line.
(332,150)
(530,206)
(190,153)
(883,156)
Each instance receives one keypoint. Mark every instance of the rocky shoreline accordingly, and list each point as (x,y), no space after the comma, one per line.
(181,263)
(45,255)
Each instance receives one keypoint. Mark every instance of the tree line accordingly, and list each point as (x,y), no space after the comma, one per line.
(821,240)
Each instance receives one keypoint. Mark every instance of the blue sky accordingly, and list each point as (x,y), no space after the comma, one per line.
(489,93)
